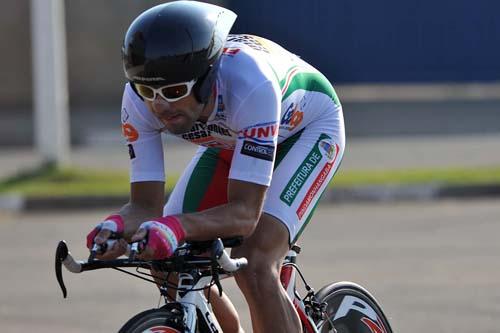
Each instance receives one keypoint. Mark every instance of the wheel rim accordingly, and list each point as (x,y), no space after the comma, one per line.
(161,329)
(351,312)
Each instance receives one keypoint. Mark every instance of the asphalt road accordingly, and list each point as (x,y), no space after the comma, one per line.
(433,267)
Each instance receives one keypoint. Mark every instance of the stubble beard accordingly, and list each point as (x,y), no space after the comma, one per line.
(180,128)
(184,124)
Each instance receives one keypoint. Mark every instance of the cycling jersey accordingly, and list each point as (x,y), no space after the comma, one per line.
(277,122)
(265,94)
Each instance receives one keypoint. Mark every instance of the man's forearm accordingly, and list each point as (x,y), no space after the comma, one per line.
(238,217)
(133,215)
(229,220)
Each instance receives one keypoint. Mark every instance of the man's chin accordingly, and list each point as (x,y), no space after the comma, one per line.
(178,128)
(177,131)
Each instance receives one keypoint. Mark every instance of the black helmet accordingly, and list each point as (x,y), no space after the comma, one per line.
(177,42)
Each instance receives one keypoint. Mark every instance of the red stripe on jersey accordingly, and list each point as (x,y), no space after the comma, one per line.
(216,193)
(288,80)
(313,190)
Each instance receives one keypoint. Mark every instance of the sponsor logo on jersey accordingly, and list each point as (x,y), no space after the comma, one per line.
(129,132)
(220,114)
(291,118)
(329,149)
(313,190)
(230,51)
(302,174)
(263,152)
(210,141)
(200,130)
(320,178)
(219,144)
(262,133)
(253,41)
(217,129)
(125,115)
(131,151)
(300,177)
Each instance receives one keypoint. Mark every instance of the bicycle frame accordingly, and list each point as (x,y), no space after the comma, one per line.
(194,302)
(288,277)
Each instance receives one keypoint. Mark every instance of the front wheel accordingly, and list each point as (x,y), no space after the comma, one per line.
(154,321)
(351,309)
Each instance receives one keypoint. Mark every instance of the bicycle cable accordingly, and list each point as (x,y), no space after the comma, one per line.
(308,288)
(134,275)
(165,282)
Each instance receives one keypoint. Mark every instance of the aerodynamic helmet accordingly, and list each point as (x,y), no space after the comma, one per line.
(177,42)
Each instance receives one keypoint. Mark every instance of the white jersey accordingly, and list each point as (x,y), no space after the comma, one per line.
(265,95)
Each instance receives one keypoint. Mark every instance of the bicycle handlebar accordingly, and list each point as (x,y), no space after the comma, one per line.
(176,263)
(224,260)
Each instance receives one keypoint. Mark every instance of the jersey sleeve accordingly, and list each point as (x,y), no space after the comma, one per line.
(142,133)
(257,122)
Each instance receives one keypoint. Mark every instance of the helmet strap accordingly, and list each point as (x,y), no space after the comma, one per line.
(203,87)
(132,85)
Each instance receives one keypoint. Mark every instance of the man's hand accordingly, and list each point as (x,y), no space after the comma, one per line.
(108,234)
(162,237)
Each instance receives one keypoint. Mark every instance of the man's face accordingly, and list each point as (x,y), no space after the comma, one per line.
(179,116)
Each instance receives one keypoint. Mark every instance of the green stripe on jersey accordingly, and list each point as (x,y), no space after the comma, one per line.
(285,146)
(310,82)
(200,180)
(283,81)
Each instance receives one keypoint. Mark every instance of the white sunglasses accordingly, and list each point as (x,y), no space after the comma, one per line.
(170,93)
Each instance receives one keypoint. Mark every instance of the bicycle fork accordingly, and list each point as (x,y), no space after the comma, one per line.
(194,303)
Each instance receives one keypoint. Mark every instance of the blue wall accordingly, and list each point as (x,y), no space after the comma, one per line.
(383,41)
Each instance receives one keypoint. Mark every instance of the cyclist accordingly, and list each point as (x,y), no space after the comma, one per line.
(271,135)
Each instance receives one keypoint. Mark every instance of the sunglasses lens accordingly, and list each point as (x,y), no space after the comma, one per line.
(177,91)
(145,91)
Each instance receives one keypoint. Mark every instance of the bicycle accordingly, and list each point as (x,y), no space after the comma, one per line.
(341,307)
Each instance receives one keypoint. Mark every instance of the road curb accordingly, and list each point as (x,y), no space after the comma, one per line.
(423,192)
(375,193)
(382,193)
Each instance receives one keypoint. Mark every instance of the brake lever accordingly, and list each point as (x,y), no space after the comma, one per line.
(96,249)
(217,249)
(215,276)
(136,248)
(102,248)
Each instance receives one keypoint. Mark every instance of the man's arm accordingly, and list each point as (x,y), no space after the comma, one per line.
(146,203)
(238,217)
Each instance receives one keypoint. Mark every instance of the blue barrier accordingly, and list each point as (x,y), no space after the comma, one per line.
(354,41)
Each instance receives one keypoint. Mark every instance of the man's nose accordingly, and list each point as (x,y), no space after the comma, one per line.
(160,104)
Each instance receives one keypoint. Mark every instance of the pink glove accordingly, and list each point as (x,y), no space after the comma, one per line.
(113,223)
(164,235)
